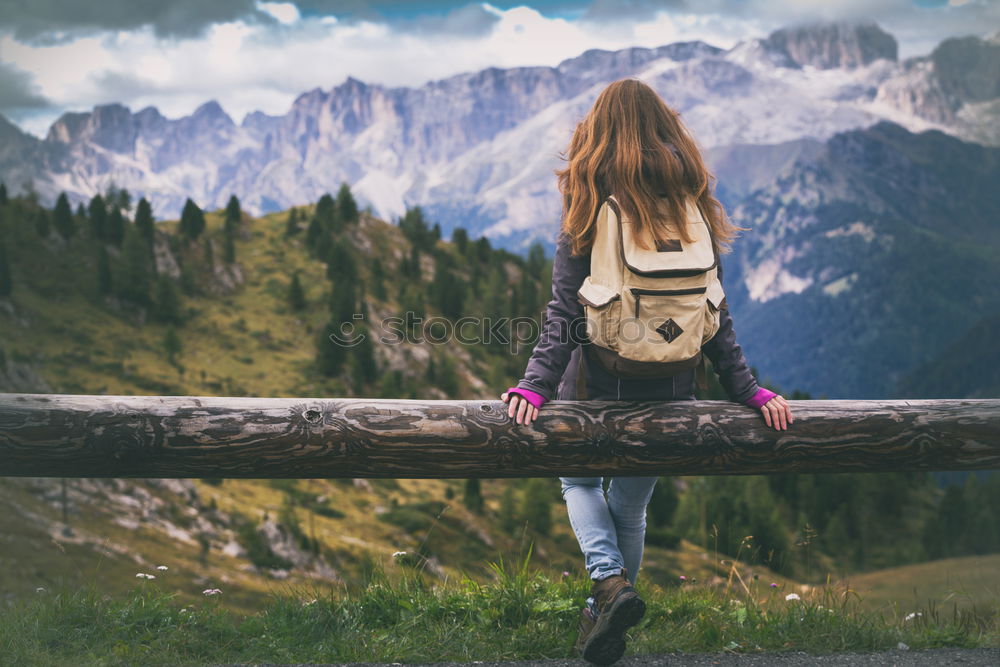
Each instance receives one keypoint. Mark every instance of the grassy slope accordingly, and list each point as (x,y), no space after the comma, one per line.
(966,582)
(249,343)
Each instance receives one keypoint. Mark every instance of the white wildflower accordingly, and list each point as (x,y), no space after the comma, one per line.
(792,596)
(40,589)
(162,567)
(143,575)
(912,615)
(211,591)
(398,554)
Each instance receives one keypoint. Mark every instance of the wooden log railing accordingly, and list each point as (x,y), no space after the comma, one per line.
(54,435)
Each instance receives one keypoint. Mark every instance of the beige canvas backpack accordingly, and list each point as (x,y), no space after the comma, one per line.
(650,311)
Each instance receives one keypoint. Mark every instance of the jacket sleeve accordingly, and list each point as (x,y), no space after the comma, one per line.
(728,360)
(563,327)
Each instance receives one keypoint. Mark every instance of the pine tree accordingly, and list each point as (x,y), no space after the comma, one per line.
(119,198)
(104,282)
(363,366)
(447,293)
(172,344)
(333,343)
(192,220)
(529,304)
(415,229)
(663,503)
(343,301)
(116,226)
(42,222)
(446,376)
(414,267)
(460,238)
(81,212)
(314,232)
(292,226)
(508,509)
(6,283)
(472,498)
(166,301)
(135,280)
(231,226)
(144,220)
(347,208)
(233,213)
(98,214)
(340,265)
(296,295)
(3,194)
(228,248)
(330,354)
(536,260)
(326,209)
(391,385)
(62,217)
(536,504)
(378,280)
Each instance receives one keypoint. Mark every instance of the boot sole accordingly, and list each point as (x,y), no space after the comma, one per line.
(606,643)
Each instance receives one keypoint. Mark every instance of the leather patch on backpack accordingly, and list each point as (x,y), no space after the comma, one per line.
(668,245)
(670,330)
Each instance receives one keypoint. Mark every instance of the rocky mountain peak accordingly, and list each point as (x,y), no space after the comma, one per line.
(212,111)
(834,44)
(968,68)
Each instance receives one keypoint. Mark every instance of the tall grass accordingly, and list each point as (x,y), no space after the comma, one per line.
(398,616)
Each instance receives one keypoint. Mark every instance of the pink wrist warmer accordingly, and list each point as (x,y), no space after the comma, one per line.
(760,398)
(532,397)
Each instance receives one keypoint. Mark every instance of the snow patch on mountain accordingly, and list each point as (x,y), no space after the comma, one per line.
(768,278)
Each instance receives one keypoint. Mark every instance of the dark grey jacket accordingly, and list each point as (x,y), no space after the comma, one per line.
(552,369)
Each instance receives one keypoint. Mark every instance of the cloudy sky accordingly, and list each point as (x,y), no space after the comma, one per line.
(66,55)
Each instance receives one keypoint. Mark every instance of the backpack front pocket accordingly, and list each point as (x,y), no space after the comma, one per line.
(664,324)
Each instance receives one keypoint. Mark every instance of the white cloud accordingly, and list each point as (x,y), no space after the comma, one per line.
(285,12)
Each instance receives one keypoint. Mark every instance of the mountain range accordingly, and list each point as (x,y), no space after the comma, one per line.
(477,149)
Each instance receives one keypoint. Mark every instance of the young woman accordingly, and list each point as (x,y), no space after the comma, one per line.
(633,146)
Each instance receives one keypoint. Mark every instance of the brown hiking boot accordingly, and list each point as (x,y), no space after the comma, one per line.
(619,607)
(587,621)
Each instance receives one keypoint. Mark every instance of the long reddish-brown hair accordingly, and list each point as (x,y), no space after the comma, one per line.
(623,148)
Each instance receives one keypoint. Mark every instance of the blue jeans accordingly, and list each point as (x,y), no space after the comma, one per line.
(612,531)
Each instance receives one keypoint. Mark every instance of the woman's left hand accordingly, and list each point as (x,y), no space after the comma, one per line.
(525,411)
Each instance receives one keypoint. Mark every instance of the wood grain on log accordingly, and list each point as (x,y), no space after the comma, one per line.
(54,435)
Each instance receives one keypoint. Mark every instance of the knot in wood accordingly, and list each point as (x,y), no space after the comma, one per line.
(603,443)
(313,416)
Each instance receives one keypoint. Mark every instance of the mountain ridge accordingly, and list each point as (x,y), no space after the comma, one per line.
(399,146)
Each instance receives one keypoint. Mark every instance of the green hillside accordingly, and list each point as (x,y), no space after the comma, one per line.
(99,300)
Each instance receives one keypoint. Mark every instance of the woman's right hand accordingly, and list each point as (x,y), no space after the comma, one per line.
(517,405)
(777,413)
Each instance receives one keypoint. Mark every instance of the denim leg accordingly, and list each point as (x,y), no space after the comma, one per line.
(627,501)
(591,520)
